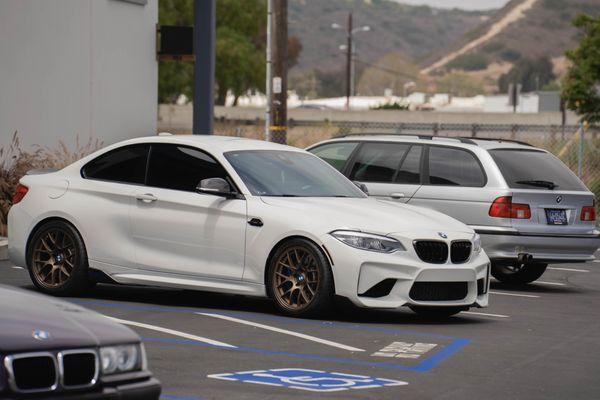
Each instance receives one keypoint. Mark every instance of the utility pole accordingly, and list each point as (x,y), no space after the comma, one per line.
(269,78)
(278,129)
(350,49)
(349,62)
(204,67)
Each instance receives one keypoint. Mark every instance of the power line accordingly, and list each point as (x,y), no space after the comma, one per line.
(385,69)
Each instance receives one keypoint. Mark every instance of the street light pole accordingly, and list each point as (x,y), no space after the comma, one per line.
(350,56)
(204,67)
(349,62)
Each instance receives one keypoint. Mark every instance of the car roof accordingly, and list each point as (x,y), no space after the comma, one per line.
(213,142)
(483,143)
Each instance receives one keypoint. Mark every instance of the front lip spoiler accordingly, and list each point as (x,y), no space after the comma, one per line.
(516,233)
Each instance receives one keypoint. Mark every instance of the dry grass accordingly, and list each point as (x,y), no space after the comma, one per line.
(15,162)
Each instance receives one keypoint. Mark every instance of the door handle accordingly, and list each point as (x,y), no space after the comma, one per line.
(146,197)
(397,196)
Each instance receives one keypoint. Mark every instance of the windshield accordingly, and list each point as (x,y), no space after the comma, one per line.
(531,169)
(290,174)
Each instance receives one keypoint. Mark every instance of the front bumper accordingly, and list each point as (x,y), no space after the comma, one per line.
(357,271)
(508,244)
(139,386)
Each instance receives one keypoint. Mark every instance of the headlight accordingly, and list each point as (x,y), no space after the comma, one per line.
(476,243)
(118,359)
(368,241)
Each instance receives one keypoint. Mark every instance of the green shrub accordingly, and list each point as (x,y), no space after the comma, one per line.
(469,62)
(392,106)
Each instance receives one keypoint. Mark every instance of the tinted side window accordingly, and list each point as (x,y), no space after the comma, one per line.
(454,167)
(410,170)
(378,162)
(181,168)
(125,165)
(336,154)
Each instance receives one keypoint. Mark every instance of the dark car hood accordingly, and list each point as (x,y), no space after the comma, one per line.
(69,326)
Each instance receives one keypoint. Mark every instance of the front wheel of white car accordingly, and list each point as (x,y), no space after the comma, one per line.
(57,259)
(299,279)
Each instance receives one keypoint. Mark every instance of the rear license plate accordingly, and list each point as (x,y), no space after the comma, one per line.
(556,217)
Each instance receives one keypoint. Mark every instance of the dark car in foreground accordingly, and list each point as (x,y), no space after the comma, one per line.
(51,349)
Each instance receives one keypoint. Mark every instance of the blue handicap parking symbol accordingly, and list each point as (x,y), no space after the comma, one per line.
(308,379)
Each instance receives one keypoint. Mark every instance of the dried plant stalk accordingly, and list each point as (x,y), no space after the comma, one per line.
(15,162)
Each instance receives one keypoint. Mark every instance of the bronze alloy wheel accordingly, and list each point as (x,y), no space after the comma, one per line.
(295,278)
(54,257)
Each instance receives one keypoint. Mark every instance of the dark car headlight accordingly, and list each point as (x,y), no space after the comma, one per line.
(368,241)
(120,359)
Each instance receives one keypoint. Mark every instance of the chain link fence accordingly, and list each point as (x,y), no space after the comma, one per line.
(564,141)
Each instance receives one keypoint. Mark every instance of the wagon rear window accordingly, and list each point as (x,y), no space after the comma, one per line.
(525,169)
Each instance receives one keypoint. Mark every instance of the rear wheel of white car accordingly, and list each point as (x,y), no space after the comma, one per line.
(518,273)
(437,312)
(299,279)
(57,259)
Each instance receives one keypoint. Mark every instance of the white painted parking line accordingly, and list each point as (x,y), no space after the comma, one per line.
(551,283)
(17,268)
(570,269)
(173,332)
(283,331)
(532,296)
(485,314)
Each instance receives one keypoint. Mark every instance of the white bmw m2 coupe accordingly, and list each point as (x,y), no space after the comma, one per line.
(239,216)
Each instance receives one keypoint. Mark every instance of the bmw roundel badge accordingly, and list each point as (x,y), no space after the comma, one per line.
(41,335)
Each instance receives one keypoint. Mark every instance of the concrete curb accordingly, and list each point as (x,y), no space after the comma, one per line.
(3,249)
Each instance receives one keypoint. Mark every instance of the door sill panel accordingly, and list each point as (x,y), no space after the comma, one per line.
(204,284)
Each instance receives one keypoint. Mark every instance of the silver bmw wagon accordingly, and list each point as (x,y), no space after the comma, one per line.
(528,207)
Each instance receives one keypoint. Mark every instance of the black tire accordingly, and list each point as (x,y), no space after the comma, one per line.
(74,258)
(508,273)
(437,312)
(323,297)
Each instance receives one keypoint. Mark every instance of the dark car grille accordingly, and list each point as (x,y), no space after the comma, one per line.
(45,372)
(439,291)
(79,369)
(34,373)
(460,251)
(433,252)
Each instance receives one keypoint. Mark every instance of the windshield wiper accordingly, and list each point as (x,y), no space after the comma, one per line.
(539,183)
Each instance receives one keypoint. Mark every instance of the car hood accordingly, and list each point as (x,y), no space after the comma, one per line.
(68,325)
(366,214)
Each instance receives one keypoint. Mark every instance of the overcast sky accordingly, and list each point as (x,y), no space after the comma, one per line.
(465,4)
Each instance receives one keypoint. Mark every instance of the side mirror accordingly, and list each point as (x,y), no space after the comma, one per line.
(217,187)
(362,187)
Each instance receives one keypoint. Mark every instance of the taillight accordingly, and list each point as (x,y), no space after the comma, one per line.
(503,207)
(588,213)
(20,192)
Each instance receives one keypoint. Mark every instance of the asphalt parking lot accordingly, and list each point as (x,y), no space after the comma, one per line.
(536,342)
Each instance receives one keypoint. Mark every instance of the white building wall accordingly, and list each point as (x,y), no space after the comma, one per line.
(77,67)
